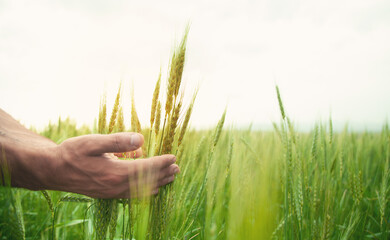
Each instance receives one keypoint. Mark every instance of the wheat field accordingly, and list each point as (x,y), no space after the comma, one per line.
(234,183)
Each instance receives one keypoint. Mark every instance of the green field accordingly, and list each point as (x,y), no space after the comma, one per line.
(234,184)
(250,185)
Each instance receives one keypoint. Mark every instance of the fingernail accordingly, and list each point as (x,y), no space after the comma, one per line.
(177,170)
(135,139)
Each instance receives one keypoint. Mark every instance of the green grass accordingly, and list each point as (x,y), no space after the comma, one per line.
(251,185)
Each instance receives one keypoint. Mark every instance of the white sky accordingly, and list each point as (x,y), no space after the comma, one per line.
(59,57)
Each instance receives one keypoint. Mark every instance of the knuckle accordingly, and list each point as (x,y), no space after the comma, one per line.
(117,142)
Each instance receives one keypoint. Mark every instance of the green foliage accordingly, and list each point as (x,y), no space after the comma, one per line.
(11,214)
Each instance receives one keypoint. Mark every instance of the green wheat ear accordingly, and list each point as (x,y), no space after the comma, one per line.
(280,102)
(114,219)
(218,129)
(103,211)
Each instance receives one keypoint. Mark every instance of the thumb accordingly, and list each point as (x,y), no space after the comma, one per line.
(97,144)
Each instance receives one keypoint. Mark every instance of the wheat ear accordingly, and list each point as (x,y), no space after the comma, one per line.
(102,115)
(114,110)
(186,120)
(154,109)
(170,136)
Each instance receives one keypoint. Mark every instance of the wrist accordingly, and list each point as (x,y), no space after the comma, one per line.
(44,171)
(30,168)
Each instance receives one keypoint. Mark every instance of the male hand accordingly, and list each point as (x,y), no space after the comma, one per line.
(85,164)
(88,166)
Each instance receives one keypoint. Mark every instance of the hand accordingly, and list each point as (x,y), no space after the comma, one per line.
(86,165)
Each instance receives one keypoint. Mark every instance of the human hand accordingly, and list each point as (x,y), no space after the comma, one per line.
(87,165)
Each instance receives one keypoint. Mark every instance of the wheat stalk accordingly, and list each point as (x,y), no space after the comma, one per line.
(155,111)
(114,110)
(186,120)
(135,123)
(382,196)
(180,61)
(218,129)
(68,198)
(104,214)
(170,135)
(174,82)
(314,145)
(113,220)
(120,121)
(280,103)
(154,101)
(171,86)
(157,119)
(102,115)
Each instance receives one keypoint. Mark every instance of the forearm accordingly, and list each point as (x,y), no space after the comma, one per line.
(26,167)
(14,132)
(24,154)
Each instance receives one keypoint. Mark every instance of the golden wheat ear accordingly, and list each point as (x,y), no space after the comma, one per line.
(157,119)
(172,124)
(102,115)
(120,122)
(115,110)
(155,100)
(153,112)
(135,123)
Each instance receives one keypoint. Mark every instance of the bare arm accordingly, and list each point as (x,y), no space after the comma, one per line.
(82,164)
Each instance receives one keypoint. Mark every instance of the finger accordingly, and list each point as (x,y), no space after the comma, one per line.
(163,161)
(156,163)
(169,171)
(97,144)
(134,154)
(165,181)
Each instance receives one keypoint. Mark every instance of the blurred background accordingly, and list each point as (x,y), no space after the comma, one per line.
(57,58)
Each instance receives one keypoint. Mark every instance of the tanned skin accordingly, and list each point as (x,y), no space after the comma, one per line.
(85,164)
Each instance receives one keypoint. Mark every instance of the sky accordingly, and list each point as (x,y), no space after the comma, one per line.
(329,58)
